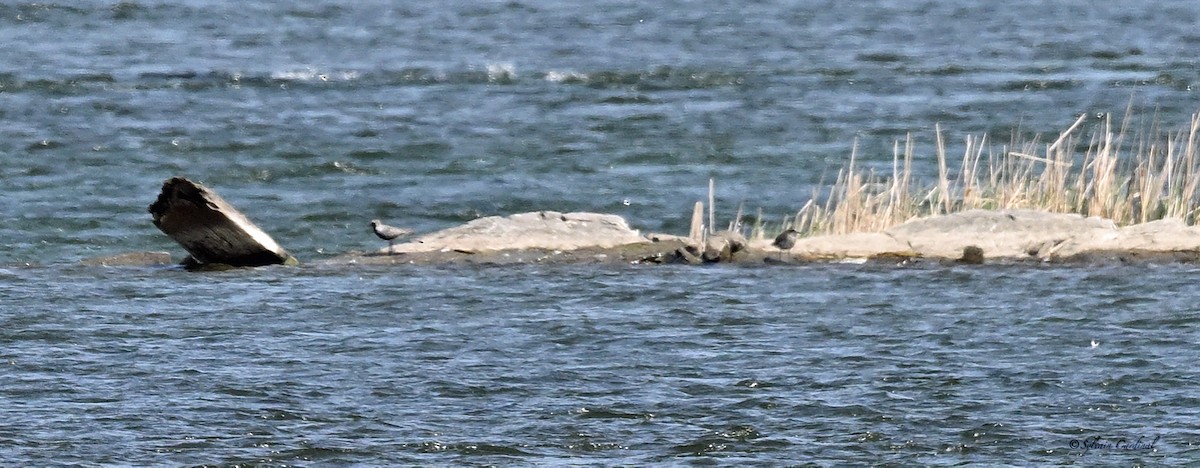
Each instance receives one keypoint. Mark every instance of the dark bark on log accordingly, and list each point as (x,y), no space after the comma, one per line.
(212,230)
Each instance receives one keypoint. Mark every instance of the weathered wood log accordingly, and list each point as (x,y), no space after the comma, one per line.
(212,230)
(696,233)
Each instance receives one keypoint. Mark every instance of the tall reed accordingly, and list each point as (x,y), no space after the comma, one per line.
(1127,178)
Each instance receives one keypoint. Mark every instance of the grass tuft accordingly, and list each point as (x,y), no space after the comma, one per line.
(1129,179)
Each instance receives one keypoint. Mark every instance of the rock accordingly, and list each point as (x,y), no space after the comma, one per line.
(665,252)
(546,230)
(1007,235)
(131,259)
(841,246)
(1003,233)
(722,246)
(663,237)
(1162,236)
(971,255)
(687,250)
(688,253)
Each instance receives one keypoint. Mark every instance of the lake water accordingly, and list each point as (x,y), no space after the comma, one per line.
(315,118)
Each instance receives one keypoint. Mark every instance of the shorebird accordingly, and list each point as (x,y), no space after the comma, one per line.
(388,233)
(785,241)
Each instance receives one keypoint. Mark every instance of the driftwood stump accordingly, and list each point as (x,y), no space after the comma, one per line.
(212,230)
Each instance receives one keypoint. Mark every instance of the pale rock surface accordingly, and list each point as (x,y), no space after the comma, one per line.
(855,245)
(1001,233)
(547,230)
(1164,235)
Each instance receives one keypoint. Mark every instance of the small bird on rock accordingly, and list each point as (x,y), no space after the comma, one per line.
(785,241)
(388,233)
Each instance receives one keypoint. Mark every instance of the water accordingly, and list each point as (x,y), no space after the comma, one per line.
(566,365)
(318,117)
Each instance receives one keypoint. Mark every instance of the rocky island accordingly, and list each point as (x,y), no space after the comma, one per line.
(200,221)
(1006,236)
(1022,206)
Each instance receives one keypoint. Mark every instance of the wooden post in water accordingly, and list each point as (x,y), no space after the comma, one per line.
(212,230)
(712,218)
(697,231)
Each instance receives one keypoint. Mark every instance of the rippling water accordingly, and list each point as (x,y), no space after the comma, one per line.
(315,118)
(627,366)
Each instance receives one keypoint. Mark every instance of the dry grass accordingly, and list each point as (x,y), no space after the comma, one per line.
(1127,178)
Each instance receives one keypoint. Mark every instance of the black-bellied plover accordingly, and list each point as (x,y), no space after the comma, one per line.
(388,233)
(785,241)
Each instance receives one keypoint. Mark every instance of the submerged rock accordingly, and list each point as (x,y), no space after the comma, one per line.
(131,259)
(971,255)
